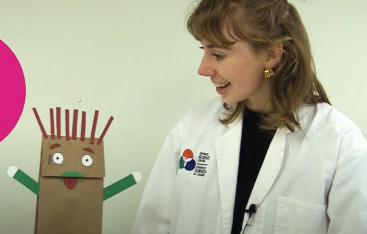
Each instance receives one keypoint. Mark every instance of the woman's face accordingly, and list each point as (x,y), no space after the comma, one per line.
(237,73)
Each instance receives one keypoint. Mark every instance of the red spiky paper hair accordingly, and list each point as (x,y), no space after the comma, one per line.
(74,126)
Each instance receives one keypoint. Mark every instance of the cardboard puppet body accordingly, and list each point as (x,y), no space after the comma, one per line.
(64,205)
(71,212)
(70,191)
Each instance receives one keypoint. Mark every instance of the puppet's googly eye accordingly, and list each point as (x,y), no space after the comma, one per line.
(58,158)
(87,160)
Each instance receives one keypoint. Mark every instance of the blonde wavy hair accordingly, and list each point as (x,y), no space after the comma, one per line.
(265,23)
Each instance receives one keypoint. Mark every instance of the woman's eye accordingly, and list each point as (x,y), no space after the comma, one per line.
(58,158)
(87,160)
(218,56)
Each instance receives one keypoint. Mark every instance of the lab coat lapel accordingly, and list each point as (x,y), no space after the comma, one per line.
(274,159)
(270,168)
(227,151)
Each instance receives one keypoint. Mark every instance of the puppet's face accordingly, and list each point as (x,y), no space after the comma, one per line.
(71,160)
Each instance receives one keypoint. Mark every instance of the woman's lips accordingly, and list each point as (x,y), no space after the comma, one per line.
(222,87)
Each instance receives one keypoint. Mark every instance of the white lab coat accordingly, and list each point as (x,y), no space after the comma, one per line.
(312,181)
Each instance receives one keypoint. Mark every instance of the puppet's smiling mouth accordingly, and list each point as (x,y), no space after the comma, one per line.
(70,179)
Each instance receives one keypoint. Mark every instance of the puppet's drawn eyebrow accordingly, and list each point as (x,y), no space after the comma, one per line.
(55,146)
(89,150)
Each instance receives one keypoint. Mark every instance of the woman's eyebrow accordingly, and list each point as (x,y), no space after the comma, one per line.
(211,46)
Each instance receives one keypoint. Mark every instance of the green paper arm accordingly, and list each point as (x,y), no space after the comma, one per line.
(121,185)
(24,179)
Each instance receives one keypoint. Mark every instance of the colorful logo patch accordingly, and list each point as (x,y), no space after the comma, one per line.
(187,160)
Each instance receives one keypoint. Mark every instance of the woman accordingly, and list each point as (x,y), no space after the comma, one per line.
(270,156)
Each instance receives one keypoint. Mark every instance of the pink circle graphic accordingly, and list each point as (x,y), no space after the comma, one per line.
(12,90)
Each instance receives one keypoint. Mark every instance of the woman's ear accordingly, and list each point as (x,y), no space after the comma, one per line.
(273,55)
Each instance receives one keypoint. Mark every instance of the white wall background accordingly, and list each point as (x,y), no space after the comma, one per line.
(135,60)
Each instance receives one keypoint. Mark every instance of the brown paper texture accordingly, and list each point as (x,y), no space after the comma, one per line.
(65,210)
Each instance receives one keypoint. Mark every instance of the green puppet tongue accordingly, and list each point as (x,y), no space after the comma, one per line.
(70,182)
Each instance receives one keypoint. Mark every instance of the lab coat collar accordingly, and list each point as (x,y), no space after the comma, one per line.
(228,148)
(270,168)
(302,114)
(274,158)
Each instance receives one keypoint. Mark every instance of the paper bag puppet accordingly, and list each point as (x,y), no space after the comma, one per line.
(70,191)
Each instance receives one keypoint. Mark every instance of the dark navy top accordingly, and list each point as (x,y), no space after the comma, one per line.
(254,145)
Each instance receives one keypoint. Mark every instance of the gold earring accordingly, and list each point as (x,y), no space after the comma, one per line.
(269,73)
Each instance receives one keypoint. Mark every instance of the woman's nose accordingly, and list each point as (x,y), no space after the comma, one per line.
(205,69)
